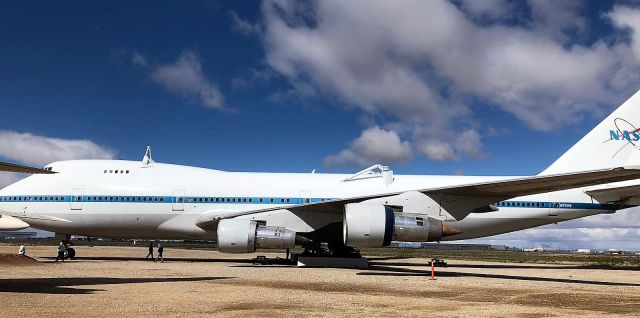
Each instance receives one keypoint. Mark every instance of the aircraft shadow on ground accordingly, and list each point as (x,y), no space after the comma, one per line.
(166,259)
(377,270)
(512,266)
(63,285)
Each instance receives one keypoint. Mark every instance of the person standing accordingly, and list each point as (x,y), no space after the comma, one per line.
(61,250)
(160,250)
(150,251)
(22,251)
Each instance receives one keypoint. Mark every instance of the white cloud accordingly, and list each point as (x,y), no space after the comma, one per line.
(138,59)
(241,25)
(628,18)
(554,18)
(412,64)
(39,150)
(468,143)
(184,78)
(488,9)
(375,145)
(437,150)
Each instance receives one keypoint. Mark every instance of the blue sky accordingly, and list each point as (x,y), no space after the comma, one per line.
(488,87)
(66,67)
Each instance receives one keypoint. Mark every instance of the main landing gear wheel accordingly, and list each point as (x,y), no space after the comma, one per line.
(70,253)
(331,250)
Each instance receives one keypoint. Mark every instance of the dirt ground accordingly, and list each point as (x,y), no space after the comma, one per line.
(116,281)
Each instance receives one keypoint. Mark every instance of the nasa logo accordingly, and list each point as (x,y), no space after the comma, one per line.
(624,135)
(626,132)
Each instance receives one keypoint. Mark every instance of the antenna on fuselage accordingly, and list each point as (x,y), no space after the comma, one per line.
(147,160)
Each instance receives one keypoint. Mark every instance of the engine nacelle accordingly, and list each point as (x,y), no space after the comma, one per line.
(376,225)
(244,236)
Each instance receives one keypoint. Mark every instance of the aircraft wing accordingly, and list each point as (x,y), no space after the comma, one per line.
(627,195)
(12,167)
(461,200)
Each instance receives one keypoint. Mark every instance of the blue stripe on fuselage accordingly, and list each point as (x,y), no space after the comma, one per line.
(274,200)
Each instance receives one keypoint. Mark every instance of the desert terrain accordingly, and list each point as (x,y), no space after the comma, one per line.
(117,281)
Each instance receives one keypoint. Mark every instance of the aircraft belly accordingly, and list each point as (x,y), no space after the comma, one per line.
(125,225)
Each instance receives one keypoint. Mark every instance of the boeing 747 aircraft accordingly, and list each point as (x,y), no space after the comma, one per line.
(243,211)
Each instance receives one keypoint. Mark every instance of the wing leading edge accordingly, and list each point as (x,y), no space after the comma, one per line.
(461,200)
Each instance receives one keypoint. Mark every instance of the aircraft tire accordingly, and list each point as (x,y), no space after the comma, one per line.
(71,253)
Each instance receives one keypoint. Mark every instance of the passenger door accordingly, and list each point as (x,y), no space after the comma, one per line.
(306,196)
(76,199)
(554,206)
(178,203)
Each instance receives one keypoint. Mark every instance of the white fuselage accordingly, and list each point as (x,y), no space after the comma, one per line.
(163,201)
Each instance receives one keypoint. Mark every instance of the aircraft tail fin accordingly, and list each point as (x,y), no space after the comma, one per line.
(615,142)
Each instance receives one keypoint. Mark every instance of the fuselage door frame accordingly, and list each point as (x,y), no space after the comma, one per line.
(178,200)
(76,199)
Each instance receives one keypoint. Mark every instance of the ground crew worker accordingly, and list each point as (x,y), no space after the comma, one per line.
(160,250)
(61,250)
(150,251)
(22,251)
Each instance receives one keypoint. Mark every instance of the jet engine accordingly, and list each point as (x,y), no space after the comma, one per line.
(376,225)
(244,236)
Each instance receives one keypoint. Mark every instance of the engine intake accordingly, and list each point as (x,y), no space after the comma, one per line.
(244,236)
(376,225)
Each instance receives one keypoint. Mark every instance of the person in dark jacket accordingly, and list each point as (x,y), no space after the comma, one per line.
(160,250)
(61,250)
(150,251)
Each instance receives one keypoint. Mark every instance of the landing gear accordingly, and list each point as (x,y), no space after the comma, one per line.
(316,249)
(70,253)
(331,255)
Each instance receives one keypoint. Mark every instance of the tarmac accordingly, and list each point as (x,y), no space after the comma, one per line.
(117,281)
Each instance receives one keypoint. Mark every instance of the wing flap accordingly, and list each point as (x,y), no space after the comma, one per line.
(627,195)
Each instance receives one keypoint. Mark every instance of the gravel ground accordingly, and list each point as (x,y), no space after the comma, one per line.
(115,281)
